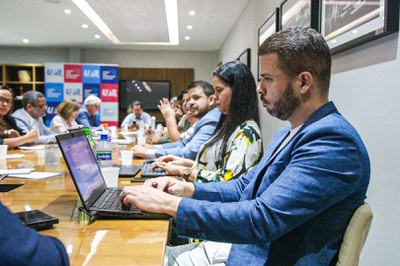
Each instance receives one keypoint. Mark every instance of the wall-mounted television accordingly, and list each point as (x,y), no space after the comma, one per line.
(145,91)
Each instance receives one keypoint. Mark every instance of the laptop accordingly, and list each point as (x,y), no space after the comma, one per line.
(124,170)
(97,199)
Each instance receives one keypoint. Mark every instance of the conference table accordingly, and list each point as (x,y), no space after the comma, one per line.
(103,242)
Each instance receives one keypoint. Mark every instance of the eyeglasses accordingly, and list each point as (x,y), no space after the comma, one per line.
(5,100)
(43,106)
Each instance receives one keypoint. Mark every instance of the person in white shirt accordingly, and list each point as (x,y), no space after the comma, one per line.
(65,118)
(30,116)
(138,116)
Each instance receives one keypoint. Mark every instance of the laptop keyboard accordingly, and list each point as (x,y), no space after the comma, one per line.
(148,172)
(111,200)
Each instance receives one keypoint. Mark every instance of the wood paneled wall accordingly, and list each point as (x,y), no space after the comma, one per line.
(179,78)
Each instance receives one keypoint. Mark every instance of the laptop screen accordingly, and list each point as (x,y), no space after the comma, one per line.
(82,166)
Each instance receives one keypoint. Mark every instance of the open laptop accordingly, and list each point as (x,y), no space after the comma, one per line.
(97,199)
(124,170)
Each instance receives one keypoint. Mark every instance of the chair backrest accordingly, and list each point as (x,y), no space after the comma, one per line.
(355,236)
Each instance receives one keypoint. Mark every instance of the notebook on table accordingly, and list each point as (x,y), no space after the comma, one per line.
(96,198)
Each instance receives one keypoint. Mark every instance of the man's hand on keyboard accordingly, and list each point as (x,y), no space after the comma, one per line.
(150,199)
(172,186)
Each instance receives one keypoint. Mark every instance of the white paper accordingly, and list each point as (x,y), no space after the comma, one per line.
(36,175)
(122,141)
(32,148)
(15,156)
(16,171)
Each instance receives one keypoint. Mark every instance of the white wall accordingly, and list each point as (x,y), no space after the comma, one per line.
(365,88)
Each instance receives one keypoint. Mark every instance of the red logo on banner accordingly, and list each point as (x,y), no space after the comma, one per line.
(73,73)
(109,92)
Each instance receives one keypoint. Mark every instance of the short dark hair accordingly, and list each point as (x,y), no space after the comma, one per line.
(301,49)
(137,103)
(31,97)
(208,89)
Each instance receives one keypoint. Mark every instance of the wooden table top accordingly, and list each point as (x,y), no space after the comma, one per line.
(104,242)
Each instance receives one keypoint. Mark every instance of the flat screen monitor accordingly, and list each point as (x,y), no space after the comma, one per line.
(149,93)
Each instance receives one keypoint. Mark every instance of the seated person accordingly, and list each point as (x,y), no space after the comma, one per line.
(30,116)
(293,207)
(137,117)
(172,113)
(202,106)
(65,118)
(236,145)
(10,133)
(20,245)
(87,114)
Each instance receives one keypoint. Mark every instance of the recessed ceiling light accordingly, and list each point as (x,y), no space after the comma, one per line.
(187,37)
(85,26)
(97,36)
(355,31)
(25,40)
(333,41)
(192,13)
(67,11)
(189,27)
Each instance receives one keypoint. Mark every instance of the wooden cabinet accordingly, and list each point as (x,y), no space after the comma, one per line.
(23,77)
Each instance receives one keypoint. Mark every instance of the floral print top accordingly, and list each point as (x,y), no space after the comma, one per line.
(243,151)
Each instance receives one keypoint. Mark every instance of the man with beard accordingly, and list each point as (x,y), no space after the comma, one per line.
(202,106)
(30,116)
(294,206)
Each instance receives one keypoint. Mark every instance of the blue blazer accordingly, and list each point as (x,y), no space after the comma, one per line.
(292,209)
(20,245)
(188,148)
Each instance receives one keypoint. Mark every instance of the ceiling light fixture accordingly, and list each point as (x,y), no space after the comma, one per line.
(67,11)
(85,26)
(97,36)
(187,38)
(192,13)
(171,8)
(189,27)
(92,15)
(25,40)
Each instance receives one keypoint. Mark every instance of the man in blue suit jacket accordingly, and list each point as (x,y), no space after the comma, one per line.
(294,206)
(20,245)
(202,106)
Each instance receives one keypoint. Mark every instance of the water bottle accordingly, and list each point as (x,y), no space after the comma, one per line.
(104,151)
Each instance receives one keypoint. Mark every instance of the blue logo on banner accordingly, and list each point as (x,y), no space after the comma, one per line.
(54,72)
(73,91)
(91,89)
(109,74)
(54,92)
(51,111)
(91,74)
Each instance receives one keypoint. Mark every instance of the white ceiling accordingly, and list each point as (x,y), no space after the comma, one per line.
(45,24)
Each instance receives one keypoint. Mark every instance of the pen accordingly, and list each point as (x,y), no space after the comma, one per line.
(3,177)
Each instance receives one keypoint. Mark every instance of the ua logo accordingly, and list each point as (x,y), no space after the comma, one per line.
(109,93)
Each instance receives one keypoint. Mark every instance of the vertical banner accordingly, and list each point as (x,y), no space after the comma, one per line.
(77,81)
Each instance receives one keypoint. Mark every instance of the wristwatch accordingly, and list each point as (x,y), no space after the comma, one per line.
(187,171)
